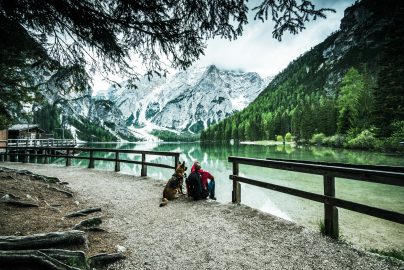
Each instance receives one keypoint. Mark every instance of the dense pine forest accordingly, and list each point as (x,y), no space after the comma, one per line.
(340,93)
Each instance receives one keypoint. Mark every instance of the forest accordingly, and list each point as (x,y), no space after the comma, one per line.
(352,118)
(340,93)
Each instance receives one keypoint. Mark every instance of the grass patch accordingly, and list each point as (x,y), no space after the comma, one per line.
(321,226)
(395,253)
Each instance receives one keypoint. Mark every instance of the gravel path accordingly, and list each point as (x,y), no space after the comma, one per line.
(202,235)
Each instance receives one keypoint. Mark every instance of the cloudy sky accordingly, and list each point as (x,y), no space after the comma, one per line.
(257,51)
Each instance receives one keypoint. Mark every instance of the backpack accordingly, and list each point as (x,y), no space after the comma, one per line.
(195,186)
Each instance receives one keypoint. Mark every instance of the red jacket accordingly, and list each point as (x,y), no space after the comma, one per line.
(205,175)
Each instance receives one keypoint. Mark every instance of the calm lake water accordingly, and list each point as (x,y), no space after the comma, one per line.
(359,229)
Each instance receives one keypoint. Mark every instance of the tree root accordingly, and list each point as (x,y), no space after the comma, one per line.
(88,223)
(83,212)
(46,240)
(104,258)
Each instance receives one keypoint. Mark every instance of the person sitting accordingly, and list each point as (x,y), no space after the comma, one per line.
(198,185)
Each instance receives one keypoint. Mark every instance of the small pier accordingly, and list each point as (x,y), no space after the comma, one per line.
(40,142)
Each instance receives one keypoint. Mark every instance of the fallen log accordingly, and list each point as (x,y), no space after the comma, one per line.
(46,240)
(34,258)
(83,212)
(104,258)
(88,223)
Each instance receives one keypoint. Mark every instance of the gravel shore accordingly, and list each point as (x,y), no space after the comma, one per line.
(205,234)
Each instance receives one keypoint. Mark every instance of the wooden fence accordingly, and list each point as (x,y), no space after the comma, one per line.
(388,175)
(69,153)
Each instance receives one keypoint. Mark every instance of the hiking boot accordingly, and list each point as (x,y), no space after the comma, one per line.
(212,198)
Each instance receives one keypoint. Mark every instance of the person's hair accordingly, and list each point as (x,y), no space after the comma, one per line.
(197,165)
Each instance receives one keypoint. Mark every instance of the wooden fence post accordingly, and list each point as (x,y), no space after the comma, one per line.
(7,152)
(236,194)
(68,159)
(144,167)
(176,161)
(91,163)
(25,157)
(35,156)
(46,158)
(330,212)
(117,163)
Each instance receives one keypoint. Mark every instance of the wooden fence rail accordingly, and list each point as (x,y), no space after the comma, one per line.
(51,142)
(389,175)
(69,153)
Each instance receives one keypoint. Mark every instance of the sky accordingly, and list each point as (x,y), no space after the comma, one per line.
(257,51)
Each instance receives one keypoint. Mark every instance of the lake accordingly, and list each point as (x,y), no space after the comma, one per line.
(363,230)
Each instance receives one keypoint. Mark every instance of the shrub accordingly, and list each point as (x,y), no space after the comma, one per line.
(364,140)
(318,138)
(336,140)
(396,138)
(288,137)
(279,138)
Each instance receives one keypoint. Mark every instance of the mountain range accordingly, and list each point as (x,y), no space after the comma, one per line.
(182,103)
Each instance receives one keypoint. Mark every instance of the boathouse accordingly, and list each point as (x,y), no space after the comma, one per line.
(25,131)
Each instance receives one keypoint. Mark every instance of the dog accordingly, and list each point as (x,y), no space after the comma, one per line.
(174,184)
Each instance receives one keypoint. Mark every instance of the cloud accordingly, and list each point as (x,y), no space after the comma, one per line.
(258,51)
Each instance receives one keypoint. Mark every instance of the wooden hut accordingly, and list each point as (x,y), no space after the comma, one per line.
(26,131)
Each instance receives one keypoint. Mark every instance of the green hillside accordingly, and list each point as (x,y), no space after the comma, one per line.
(347,91)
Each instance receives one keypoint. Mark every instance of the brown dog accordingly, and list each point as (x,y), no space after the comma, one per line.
(174,185)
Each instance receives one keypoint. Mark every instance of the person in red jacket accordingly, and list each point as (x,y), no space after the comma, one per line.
(205,176)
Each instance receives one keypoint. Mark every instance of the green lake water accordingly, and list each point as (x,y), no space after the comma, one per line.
(362,230)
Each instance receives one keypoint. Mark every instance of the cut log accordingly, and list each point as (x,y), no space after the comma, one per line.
(34,258)
(67,193)
(47,240)
(88,223)
(83,212)
(104,258)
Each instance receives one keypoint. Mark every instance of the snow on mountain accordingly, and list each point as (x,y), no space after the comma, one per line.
(187,101)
